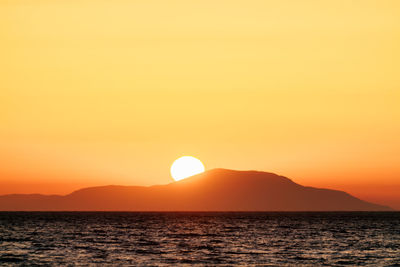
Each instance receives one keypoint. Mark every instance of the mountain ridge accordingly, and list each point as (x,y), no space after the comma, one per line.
(213,190)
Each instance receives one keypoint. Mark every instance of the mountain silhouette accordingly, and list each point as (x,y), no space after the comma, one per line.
(214,190)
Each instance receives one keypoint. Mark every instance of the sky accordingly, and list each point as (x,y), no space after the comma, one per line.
(112,92)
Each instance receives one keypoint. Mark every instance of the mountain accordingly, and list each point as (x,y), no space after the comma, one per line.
(214,190)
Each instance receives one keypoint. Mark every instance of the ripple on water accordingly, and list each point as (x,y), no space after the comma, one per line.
(62,238)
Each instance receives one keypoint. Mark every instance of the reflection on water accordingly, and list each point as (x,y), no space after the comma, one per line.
(199,238)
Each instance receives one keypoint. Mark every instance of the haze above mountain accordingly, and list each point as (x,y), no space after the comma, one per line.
(214,190)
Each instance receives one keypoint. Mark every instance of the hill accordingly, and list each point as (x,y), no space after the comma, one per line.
(214,190)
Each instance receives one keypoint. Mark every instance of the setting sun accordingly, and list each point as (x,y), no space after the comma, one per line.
(142,132)
(185,167)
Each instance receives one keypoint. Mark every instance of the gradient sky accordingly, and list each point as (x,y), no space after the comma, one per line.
(112,92)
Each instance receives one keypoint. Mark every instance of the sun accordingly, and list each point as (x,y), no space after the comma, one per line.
(185,167)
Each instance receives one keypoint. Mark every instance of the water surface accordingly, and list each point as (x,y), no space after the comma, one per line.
(130,238)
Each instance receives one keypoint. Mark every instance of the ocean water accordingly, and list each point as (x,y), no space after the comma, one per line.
(129,238)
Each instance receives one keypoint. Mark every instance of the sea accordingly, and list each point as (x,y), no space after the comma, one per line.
(200,238)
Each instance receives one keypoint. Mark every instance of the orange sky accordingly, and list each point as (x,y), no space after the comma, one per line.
(112,92)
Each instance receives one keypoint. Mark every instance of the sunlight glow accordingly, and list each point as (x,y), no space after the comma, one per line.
(185,167)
